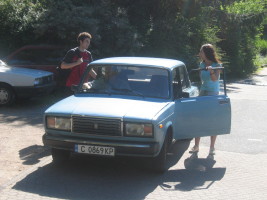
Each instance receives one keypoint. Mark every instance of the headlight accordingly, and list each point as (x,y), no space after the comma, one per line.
(142,130)
(38,81)
(62,123)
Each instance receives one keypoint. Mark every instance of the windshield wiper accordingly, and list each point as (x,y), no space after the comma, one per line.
(128,91)
(96,91)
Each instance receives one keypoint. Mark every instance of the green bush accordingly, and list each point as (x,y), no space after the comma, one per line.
(262,46)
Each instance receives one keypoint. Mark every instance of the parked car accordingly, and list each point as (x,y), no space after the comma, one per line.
(41,57)
(23,83)
(136,107)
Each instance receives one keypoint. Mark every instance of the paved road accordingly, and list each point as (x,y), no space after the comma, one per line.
(239,172)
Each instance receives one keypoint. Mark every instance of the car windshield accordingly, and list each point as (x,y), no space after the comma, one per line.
(128,80)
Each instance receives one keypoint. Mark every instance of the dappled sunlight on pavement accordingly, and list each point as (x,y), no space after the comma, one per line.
(253,88)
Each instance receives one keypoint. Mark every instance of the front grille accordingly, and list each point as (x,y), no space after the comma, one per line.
(96,126)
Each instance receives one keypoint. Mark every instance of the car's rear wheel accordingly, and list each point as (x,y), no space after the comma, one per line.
(60,156)
(7,95)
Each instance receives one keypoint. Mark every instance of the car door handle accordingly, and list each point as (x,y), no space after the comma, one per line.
(224,101)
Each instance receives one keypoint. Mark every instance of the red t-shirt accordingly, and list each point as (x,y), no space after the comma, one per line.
(77,71)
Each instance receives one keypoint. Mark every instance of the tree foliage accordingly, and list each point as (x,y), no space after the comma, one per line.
(17,18)
(157,28)
(241,28)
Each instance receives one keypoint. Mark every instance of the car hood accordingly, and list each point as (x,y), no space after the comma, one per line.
(23,71)
(108,107)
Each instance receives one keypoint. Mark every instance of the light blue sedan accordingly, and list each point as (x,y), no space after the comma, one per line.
(136,106)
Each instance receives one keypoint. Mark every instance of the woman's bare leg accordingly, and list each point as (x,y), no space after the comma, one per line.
(212,145)
(197,141)
(195,149)
(212,141)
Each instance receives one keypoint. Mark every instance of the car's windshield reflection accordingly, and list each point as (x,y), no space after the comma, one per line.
(127,80)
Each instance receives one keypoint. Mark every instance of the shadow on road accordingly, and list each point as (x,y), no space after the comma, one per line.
(32,154)
(27,112)
(188,180)
(109,178)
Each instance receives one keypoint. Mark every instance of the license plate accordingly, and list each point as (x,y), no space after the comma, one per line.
(96,150)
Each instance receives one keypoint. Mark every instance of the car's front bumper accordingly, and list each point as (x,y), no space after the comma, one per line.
(122,148)
(33,91)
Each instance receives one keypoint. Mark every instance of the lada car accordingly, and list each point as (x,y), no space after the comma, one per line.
(23,83)
(137,107)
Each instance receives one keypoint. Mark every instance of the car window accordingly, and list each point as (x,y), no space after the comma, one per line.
(180,81)
(183,77)
(176,82)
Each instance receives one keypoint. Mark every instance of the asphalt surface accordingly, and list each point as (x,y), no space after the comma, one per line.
(239,171)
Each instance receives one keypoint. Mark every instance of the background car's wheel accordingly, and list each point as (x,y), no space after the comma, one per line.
(60,156)
(7,95)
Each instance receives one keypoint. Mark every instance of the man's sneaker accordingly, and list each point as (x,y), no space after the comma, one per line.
(194,149)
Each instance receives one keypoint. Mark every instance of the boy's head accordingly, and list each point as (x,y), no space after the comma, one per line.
(84,39)
(83,36)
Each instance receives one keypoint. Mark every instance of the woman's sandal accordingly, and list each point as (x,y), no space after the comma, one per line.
(194,149)
(212,152)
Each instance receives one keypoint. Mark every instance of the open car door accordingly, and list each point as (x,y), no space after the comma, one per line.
(203,115)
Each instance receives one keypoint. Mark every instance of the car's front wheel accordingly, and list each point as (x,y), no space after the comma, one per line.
(7,95)
(159,162)
(60,156)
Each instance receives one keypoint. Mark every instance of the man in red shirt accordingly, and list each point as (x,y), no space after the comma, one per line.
(77,59)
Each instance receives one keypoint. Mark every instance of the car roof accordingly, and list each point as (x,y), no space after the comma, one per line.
(39,46)
(147,61)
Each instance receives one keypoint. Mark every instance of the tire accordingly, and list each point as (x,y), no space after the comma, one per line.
(60,156)
(159,164)
(7,95)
